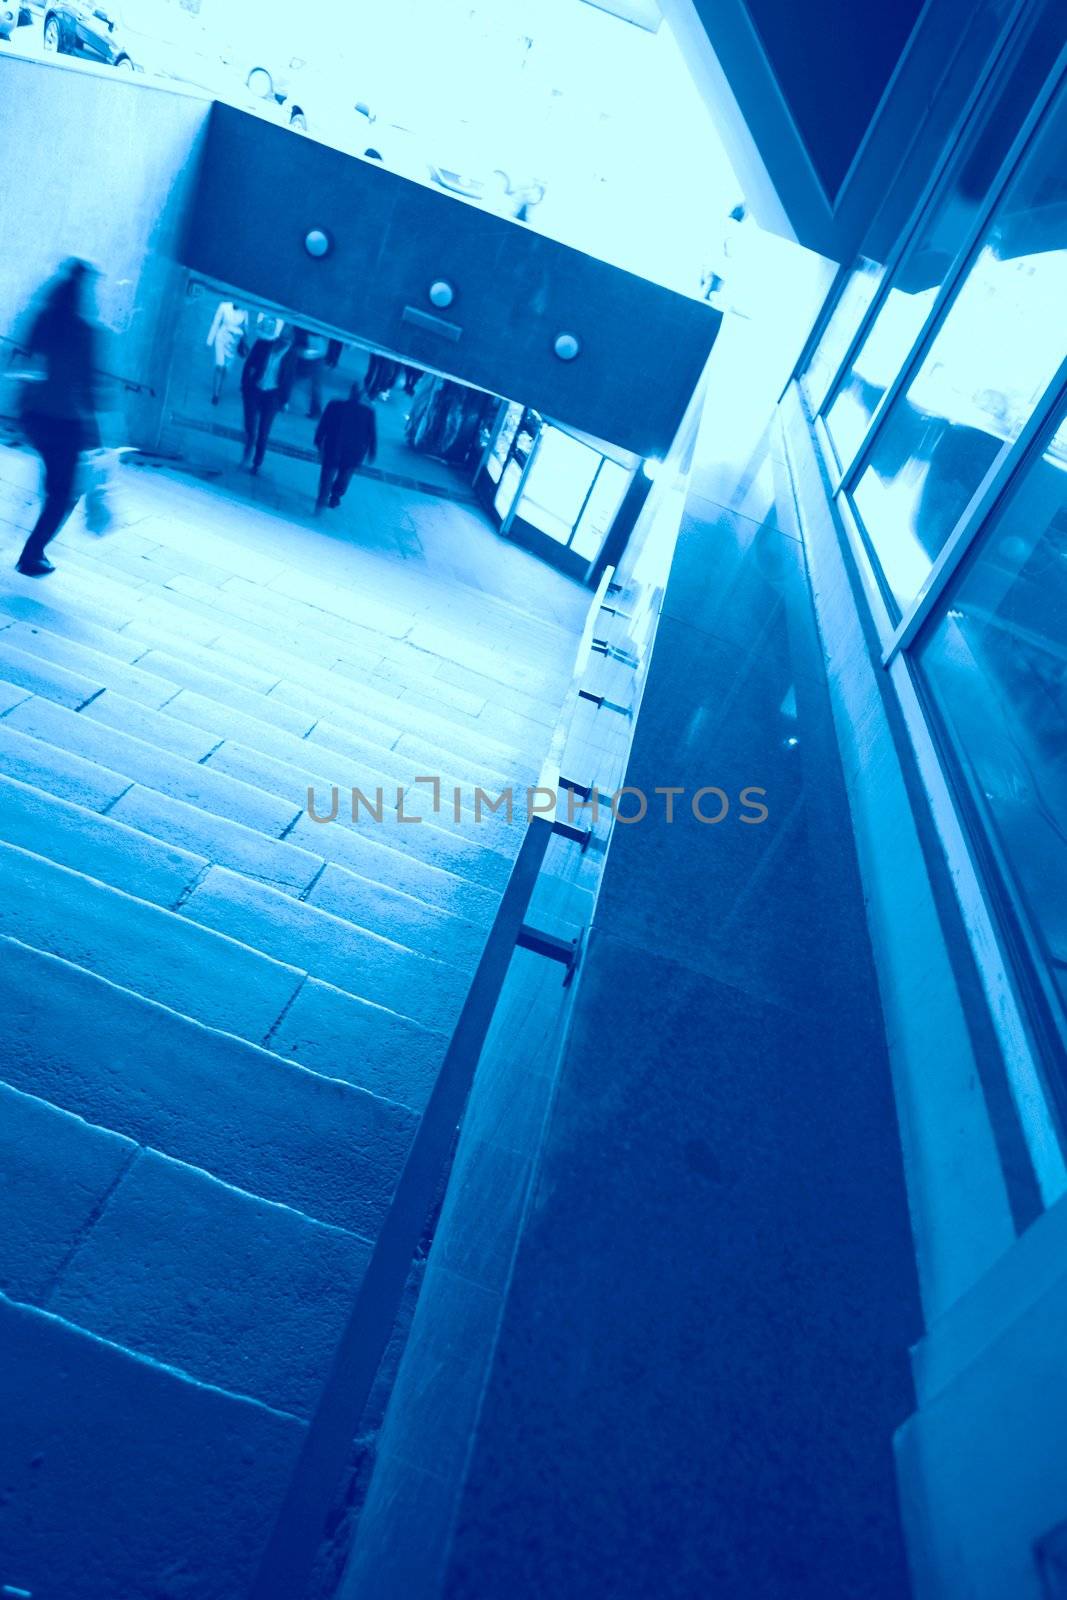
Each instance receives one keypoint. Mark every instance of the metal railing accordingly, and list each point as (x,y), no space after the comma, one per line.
(294,1540)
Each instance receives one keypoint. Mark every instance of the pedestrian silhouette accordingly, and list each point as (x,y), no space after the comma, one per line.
(59,402)
(347,435)
(266,384)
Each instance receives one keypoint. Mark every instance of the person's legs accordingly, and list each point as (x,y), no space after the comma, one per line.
(58,442)
(326,477)
(315,388)
(342,479)
(217,382)
(250,400)
(268,410)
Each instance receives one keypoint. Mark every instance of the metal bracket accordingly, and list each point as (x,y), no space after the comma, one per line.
(598,700)
(578,836)
(565,951)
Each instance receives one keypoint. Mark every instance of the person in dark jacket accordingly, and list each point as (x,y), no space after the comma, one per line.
(381,375)
(266,384)
(347,435)
(60,403)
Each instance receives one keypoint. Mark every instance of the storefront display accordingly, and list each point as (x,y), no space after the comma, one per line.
(553,491)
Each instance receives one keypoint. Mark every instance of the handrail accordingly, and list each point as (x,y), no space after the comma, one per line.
(294,1540)
(130,384)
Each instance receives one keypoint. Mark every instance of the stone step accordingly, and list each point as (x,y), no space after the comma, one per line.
(210,977)
(155,869)
(53,771)
(245,659)
(331,747)
(153,767)
(124,646)
(348,957)
(250,1118)
(186,1478)
(241,658)
(294,709)
(167,1261)
(272,609)
(297,706)
(151,686)
(479,852)
(457,939)
(279,863)
(365,709)
(466,847)
(377,968)
(143,947)
(94,666)
(83,840)
(116,638)
(482,643)
(10,695)
(40,677)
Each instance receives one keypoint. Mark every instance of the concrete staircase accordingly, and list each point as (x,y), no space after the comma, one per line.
(221,1020)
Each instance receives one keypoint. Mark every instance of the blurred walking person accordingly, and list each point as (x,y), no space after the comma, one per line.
(347,435)
(60,402)
(310,350)
(226,338)
(266,384)
(382,373)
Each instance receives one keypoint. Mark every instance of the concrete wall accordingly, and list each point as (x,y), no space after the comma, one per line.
(643,347)
(99,165)
(704,1351)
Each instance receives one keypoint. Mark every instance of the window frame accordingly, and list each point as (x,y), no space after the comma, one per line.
(903,623)
(960,137)
(997,928)
(959,148)
(1009,917)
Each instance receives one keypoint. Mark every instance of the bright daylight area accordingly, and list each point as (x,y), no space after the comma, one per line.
(590,132)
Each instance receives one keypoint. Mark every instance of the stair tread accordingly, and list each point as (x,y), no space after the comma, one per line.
(186,1478)
(99,846)
(249,1117)
(143,947)
(209,976)
(227,1287)
(166,754)
(332,696)
(153,766)
(366,965)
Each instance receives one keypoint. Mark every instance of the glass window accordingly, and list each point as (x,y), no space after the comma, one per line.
(993,659)
(557,484)
(611,485)
(509,488)
(851,308)
(940,235)
(997,349)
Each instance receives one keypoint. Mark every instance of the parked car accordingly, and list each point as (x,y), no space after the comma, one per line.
(10,17)
(73,28)
(464,171)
